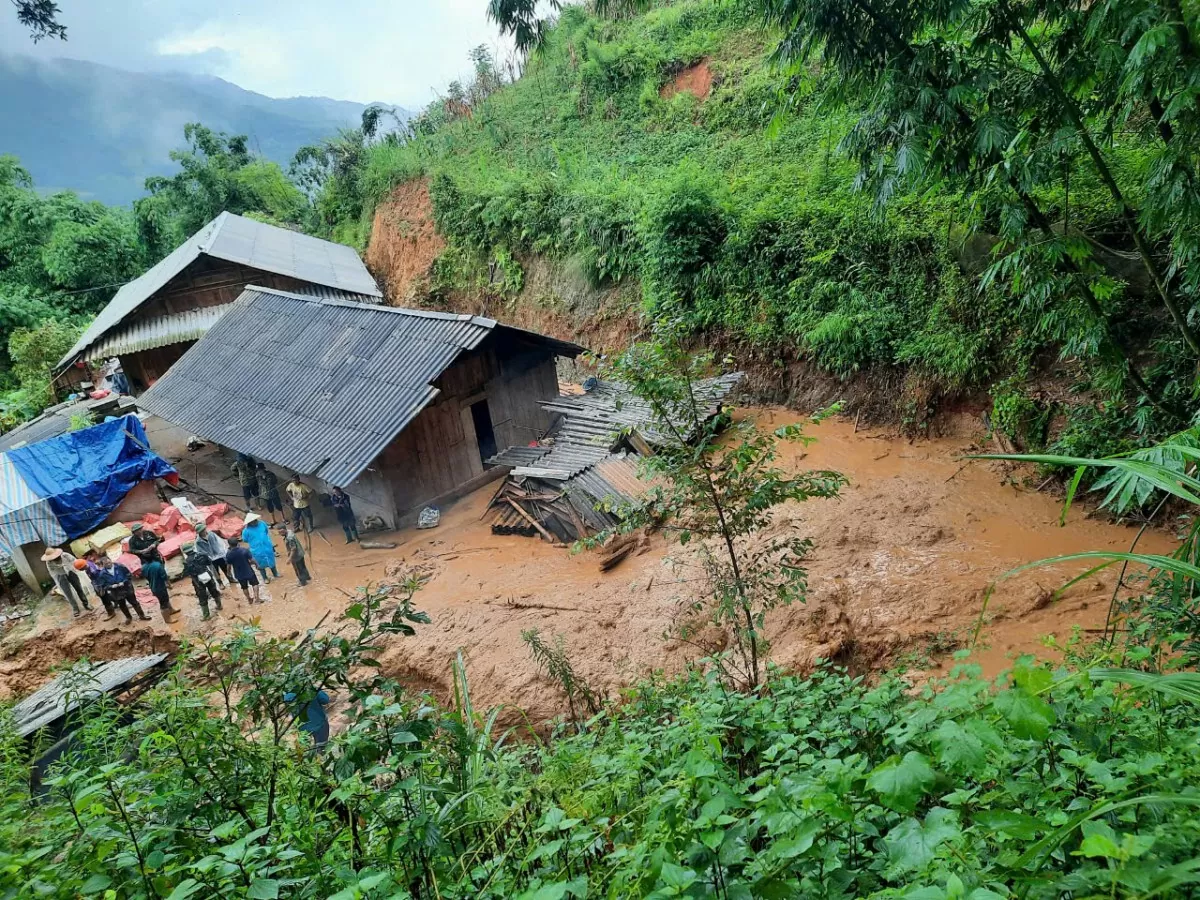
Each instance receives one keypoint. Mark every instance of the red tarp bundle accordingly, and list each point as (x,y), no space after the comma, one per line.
(132,563)
(170,547)
(230,527)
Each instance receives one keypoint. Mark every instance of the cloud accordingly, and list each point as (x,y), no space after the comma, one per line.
(396,51)
(254,54)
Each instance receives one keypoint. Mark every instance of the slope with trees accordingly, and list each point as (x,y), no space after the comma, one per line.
(970,197)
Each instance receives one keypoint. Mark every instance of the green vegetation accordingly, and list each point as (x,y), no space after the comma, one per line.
(715,485)
(966,219)
(63,258)
(1053,782)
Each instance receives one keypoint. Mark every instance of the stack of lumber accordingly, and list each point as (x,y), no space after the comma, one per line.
(533,508)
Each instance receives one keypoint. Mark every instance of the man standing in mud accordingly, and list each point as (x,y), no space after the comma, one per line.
(115,585)
(204,580)
(241,561)
(301,495)
(295,553)
(268,491)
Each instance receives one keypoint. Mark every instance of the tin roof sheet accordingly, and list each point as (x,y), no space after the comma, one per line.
(318,386)
(56,420)
(84,682)
(237,239)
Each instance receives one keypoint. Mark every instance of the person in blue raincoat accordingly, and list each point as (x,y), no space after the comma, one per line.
(257,536)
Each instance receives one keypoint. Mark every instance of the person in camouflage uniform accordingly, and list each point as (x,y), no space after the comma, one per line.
(246,471)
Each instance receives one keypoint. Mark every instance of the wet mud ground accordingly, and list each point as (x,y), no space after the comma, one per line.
(901,564)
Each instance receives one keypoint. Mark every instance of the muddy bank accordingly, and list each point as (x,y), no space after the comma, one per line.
(901,564)
(558,299)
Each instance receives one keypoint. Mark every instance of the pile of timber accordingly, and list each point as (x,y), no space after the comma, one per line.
(573,483)
(532,505)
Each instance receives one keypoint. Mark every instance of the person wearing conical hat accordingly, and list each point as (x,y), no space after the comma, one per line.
(61,566)
(257,536)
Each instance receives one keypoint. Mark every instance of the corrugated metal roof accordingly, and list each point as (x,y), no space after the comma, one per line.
(70,690)
(585,460)
(240,240)
(518,456)
(318,386)
(157,332)
(56,420)
(177,328)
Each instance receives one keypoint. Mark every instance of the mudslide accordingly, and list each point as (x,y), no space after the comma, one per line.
(901,565)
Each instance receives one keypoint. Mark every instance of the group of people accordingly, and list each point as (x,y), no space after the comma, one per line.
(111,581)
(213,563)
(210,562)
(260,489)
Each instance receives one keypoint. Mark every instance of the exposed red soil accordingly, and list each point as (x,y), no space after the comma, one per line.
(404,242)
(28,664)
(899,571)
(696,79)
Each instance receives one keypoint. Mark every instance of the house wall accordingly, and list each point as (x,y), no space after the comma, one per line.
(29,565)
(370,496)
(437,455)
(206,282)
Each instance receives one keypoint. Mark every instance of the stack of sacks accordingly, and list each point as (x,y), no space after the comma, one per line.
(170,546)
(131,562)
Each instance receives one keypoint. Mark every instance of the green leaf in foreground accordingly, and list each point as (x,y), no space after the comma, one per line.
(901,783)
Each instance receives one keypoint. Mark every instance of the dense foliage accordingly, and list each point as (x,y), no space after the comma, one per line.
(1054,782)
(965,196)
(62,258)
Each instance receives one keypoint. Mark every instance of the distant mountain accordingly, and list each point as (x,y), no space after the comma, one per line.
(100,131)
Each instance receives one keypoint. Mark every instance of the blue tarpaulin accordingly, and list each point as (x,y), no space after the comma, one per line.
(84,475)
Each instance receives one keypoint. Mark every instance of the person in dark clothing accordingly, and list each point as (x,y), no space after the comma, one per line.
(143,544)
(242,562)
(268,491)
(246,471)
(295,554)
(313,720)
(197,567)
(116,589)
(345,513)
(155,573)
(212,547)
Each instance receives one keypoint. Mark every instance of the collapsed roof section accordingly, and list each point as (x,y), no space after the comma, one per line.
(570,485)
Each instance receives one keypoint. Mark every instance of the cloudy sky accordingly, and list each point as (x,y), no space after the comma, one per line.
(393,51)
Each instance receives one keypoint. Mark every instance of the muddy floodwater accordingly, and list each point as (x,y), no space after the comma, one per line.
(900,568)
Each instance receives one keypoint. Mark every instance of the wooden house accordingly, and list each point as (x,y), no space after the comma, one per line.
(402,408)
(154,319)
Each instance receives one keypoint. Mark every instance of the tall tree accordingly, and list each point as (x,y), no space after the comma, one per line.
(1004,100)
(217,173)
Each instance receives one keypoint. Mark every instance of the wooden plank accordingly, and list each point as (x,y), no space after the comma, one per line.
(528,518)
